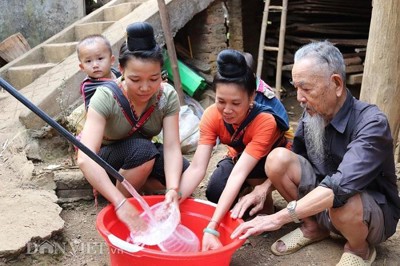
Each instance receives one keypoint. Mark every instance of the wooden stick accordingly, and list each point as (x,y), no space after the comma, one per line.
(190,46)
(171,49)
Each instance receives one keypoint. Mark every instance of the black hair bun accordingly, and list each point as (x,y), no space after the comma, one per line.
(231,64)
(140,36)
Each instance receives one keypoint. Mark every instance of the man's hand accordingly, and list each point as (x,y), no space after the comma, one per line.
(256,226)
(255,198)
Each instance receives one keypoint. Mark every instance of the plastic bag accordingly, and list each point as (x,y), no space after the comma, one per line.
(188,130)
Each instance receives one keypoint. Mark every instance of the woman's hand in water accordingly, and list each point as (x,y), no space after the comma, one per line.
(172,196)
(210,242)
(129,215)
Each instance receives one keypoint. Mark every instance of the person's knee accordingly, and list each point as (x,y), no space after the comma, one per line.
(140,172)
(214,190)
(218,180)
(212,195)
(147,166)
(277,162)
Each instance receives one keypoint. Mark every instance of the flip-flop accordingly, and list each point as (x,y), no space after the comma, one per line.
(350,259)
(293,241)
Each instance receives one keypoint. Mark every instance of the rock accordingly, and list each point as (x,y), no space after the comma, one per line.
(198,65)
(22,168)
(76,119)
(207,98)
(69,196)
(72,186)
(3,95)
(209,78)
(70,179)
(44,180)
(32,151)
(27,215)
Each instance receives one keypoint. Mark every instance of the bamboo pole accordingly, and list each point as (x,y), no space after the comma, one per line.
(261,45)
(165,23)
(282,31)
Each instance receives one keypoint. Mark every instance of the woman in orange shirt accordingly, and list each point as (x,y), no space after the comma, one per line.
(250,131)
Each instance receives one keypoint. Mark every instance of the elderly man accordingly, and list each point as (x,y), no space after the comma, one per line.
(340,176)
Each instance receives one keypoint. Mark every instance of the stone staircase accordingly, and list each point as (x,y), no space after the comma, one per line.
(49,75)
(25,70)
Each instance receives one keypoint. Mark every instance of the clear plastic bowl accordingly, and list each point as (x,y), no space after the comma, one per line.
(182,240)
(161,227)
(165,230)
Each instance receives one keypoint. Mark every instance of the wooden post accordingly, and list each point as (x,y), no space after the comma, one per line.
(381,78)
(171,49)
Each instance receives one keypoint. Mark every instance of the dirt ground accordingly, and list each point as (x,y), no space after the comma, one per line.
(80,244)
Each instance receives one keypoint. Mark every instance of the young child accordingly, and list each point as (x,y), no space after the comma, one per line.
(95,57)
(96,60)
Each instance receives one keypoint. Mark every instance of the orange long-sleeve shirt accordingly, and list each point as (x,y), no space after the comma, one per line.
(259,137)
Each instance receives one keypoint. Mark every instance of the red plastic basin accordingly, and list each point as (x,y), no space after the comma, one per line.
(195,214)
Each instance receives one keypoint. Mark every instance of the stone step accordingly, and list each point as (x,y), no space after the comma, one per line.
(84,29)
(72,186)
(114,13)
(21,76)
(57,52)
(67,36)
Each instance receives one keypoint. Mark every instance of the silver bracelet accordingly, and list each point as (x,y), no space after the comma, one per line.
(120,205)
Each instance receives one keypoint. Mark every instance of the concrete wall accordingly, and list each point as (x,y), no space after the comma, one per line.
(38,20)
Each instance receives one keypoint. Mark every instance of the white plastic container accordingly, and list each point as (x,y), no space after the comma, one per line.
(164,224)
(166,231)
(182,240)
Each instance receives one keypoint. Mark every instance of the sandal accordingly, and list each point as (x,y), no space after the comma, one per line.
(350,259)
(293,241)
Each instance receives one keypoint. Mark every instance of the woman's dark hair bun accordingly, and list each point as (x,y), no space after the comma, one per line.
(140,36)
(231,64)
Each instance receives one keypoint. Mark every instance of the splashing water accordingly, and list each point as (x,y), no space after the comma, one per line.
(164,227)
(162,220)
(142,202)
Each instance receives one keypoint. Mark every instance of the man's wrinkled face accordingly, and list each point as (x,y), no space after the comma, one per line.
(313,83)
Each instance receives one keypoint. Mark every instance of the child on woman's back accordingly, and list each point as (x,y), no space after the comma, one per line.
(95,57)
(96,60)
